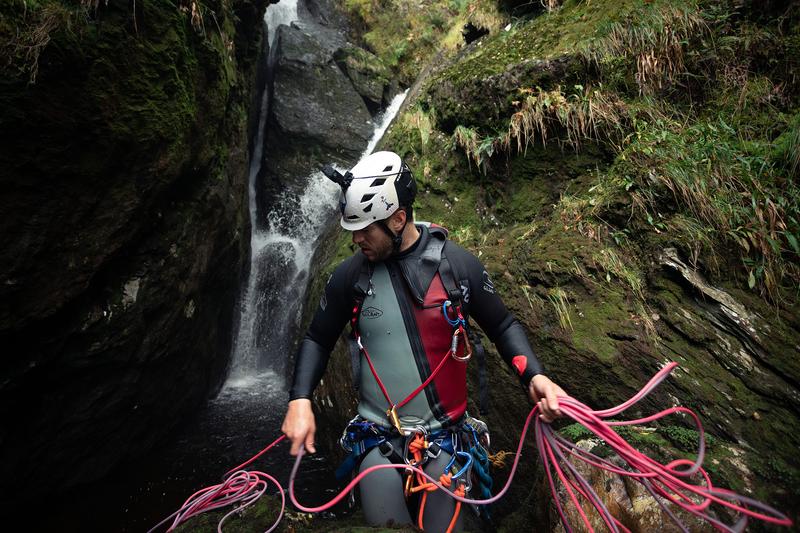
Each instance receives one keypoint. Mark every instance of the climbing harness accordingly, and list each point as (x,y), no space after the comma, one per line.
(462,442)
(459,332)
(668,483)
(450,474)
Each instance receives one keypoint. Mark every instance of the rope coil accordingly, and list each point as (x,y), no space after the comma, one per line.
(668,481)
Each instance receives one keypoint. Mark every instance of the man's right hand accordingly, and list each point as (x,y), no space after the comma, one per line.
(299,425)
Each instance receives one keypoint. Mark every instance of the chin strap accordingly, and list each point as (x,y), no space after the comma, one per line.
(397,239)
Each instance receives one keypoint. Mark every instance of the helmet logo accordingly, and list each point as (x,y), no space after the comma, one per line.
(388,205)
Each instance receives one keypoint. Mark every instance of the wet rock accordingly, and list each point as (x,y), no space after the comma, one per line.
(368,74)
(124,233)
(316,115)
(626,499)
(313,100)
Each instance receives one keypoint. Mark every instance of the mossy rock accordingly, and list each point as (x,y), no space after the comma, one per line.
(369,75)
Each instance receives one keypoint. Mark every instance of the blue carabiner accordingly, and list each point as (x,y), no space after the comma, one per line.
(458,320)
(467,464)
(464,455)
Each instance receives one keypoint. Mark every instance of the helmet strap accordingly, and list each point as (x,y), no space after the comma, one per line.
(397,239)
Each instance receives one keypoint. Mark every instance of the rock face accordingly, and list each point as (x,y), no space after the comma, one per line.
(315,116)
(321,104)
(313,100)
(368,74)
(595,251)
(124,226)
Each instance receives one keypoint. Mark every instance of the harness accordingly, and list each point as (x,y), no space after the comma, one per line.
(463,441)
(460,347)
(433,253)
(466,442)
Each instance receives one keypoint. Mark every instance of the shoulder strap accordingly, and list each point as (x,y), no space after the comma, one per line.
(452,284)
(359,275)
(361,281)
(449,280)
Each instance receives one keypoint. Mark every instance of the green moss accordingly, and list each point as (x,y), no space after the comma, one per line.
(573,27)
(595,319)
(159,100)
(575,432)
(359,60)
(402,35)
(542,220)
(686,439)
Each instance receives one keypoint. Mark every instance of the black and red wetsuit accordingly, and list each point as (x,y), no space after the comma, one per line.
(405,332)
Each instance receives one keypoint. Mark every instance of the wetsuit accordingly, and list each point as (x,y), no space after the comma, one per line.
(406,334)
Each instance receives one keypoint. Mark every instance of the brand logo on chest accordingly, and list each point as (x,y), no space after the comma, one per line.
(371,312)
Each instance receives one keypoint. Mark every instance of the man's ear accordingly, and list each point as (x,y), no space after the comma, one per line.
(397,220)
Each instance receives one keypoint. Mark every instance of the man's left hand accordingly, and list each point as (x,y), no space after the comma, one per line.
(545,393)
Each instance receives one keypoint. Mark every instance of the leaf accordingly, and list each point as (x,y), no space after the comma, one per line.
(751,280)
(793,242)
(774,245)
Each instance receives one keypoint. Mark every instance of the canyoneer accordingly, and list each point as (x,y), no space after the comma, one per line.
(408,293)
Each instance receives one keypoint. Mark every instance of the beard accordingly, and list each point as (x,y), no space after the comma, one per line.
(378,251)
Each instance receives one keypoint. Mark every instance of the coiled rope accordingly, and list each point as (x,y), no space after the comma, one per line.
(670,481)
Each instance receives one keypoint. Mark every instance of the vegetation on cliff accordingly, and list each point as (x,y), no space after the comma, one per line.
(628,172)
(124,134)
(406,36)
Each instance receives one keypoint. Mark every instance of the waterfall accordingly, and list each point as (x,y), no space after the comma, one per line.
(281,253)
(284,12)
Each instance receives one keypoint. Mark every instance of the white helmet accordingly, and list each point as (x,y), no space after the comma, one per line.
(378,185)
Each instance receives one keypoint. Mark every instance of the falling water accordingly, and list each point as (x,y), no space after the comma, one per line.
(284,12)
(281,252)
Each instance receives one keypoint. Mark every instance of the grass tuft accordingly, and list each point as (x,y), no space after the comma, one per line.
(477,150)
(655,38)
(24,49)
(586,114)
(609,261)
(734,188)
(558,297)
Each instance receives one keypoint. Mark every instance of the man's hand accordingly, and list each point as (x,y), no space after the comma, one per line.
(544,392)
(299,425)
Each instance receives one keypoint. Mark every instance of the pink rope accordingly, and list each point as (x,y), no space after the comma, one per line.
(670,481)
(239,487)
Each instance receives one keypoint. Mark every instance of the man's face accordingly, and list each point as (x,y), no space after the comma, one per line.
(374,242)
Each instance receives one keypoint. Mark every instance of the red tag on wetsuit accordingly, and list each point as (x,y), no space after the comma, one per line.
(520,362)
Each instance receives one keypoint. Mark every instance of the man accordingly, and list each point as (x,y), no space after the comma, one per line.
(408,293)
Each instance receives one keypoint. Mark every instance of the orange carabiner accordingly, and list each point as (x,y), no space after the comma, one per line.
(467,347)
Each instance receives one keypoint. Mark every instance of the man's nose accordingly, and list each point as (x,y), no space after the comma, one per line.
(358,236)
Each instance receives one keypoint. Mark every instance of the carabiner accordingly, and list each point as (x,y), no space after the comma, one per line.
(454,345)
(391,414)
(453,322)
(467,466)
